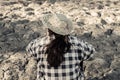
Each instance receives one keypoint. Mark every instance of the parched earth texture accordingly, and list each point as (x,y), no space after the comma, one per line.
(95,21)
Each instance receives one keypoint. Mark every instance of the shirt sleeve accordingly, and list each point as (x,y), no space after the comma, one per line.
(33,48)
(86,50)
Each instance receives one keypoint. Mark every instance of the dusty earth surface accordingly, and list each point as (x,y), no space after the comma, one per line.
(95,21)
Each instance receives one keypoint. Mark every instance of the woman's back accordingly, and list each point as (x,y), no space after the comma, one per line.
(69,69)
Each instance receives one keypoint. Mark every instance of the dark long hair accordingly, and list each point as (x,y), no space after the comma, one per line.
(56,49)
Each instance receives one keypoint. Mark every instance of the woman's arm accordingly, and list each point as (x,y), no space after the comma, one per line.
(86,50)
(33,47)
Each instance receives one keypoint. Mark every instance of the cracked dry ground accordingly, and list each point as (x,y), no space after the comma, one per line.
(97,22)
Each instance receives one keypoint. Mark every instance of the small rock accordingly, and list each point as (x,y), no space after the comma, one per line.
(2,24)
(30,13)
(97,65)
(1,14)
(13,24)
(109,32)
(1,73)
(12,3)
(46,12)
(115,24)
(113,43)
(115,63)
(100,2)
(25,3)
(108,1)
(100,6)
(98,26)
(1,19)
(92,2)
(3,38)
(40,23)
(87,35)
(22,21)
(0,48)
(51,1)
(6,17)
(17,8)
(15,16)
(85,8)
(11,74)
(94,14)
(88,13)
(5,4)
(109,20)
(1,58)
(103,22)
(29,9)
(34,35)
(9,3)
(117,31)
(115,3)
(8,31)
(80,23)
(35,26)
(39,2)
(107,4)
(22,67)
(99,14)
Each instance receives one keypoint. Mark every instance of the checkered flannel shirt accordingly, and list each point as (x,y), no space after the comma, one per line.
(70,68)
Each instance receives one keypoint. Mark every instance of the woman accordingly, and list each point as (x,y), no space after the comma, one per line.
(58,53)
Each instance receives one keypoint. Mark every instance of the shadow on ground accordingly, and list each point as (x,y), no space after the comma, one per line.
(14,36)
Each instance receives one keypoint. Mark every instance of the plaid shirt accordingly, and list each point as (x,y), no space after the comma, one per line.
(70,68)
